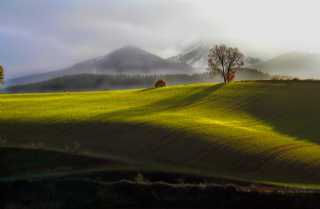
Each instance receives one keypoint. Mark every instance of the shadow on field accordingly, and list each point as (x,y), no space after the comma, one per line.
(135,143)
(193,97)
(177,149)
(290,107)
(129,188)
(132,188)
(147,146)
(15,162)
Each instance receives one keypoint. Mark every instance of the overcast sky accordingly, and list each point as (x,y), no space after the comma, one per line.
(42,35)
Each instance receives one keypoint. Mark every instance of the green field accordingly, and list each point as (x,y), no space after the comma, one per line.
(263,131)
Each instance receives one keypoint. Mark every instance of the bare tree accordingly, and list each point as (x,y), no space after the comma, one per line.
(225,61)
(1,75)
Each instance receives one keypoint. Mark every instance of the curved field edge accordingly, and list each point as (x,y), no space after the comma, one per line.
(86,193)
(38,164)
(255,131)
(28,163)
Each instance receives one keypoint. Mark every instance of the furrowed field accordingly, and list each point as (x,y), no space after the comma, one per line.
(264,131)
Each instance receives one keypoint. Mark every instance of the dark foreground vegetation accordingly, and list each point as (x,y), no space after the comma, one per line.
(42,179)
(83,193)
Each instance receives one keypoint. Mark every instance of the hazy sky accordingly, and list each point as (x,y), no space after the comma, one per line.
(42,35)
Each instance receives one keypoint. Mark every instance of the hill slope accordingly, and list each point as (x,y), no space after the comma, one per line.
(17,162)
(96,82)
(255,131)
(296,64)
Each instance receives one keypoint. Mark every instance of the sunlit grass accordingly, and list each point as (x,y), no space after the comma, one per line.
(256,131)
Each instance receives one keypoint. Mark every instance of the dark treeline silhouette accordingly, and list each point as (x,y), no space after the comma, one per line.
(1,74)
(83,193)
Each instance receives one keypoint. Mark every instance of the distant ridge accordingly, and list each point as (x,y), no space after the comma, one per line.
(126,60)
(82,82)
(196,55)
(304,65)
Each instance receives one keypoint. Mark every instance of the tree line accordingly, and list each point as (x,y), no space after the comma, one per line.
(1,75)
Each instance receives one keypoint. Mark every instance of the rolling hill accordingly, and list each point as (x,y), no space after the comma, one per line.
(40,178)
(98,82)
(18,162)
(303,65)
(244,130)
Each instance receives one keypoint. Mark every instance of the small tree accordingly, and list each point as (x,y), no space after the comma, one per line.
(225,61)
(1,75)
(160,83)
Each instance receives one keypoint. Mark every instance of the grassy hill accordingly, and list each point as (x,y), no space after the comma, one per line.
(258,131)
(35,162)
(99,82)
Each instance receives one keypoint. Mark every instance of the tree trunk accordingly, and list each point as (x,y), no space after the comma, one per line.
(224,79)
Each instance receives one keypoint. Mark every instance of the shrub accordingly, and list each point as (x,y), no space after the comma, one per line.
(284,78)
(160,83)
(140,179)
(231,76)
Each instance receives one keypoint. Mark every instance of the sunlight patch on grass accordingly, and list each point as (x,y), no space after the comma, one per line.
(263,131)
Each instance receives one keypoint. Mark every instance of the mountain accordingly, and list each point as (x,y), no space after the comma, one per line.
(295,64)
(135,61)
(127,60)
(196,55)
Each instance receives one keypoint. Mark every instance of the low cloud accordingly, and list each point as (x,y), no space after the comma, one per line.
(37,35)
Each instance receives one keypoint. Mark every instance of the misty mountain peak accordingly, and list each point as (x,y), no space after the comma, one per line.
(196,55)
(299,64)
(129,48)
(131,52)
(126,60)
